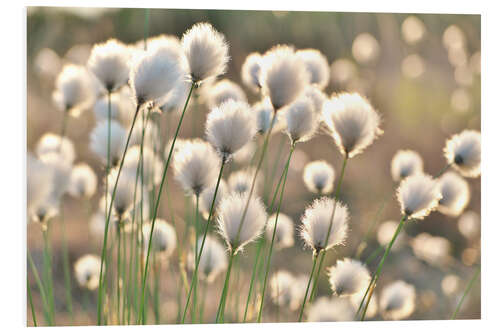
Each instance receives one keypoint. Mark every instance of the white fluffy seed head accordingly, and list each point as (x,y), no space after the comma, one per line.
(99,141)
(264,115)
(385,233)
(352,122)
(155,72)
(87,269)
(302,122)
(316,96)
(74,90)
(316,222)
(222,91)
(397,300)
(434,250)
(326,309)
(196,165)
(319,177)
(213,260)
(284,231)
(348,277)
(406,163)
(418,195)
(241,181)
(120,107)
(151,134)
(109,62)
(207,196)
(469,224)
(61,173)
(230,126)
(317,67)
(39,183)
(281,284)
(124,196)
(463,151)
(250,71)
(206,50)
(235,231)
(164,240)
(52,143)
(151,164)
(174,101)
(83,181)
(455,194)
(372,307)
(283,76)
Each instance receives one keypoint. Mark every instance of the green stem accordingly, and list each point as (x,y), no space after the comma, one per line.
(203,300)
(374,255)
(66,269)
(41,288)
(157,203)
(268,264)
(443,170)
(118,269)
(222,301)
(195,288)
(315,259)
(33,315)
(106,227)
(197,263)
(47,262)
(381,264)
(275,167)
(467,290)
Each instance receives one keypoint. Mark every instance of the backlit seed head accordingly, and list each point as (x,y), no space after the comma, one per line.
(455,194)
(406,163)
(207,196)
(326,309)
(397,300)
(302,122)
(52,143)
(241,181)
(39,183)
(222,91)
(151,165)
(317,67)
(124,196)
(283,237)
(74,90)
(87,269)
(250,71)
(83,181)
(434,250)
(164,239)
(99,141)
(348,277)
(319,177)
(282,292)
(463,152)
(213,260)
(418,195)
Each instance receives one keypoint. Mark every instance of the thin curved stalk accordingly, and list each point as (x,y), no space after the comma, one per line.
(315,259)
(41,288)
(47,262)
(157,203)
(466,292)
(195,288)
(118,269)
(66,269)
(32,307)
(268,264)
(381,264)
(222,301)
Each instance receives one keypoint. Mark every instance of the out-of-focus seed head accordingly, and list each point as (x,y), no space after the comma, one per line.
(455,194)
(283,237)
(317,67)
(434,250)
(83,181)
(319,177)
(164,239)
(463,152)
(87,269)
(207,196)
(99,141)
(326,309)
(348,277)
(406,163)
(52,143)
(151,164)
(74,90)
(222,91)
(397,300)
(418,195)
(302,122)
(250,71)
(213,260)
(241,181)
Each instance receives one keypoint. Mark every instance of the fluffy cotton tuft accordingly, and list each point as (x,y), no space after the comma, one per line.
(316,96)
(372,307)
(52,143)
(99,141)
(319,177)
(241,181)
(385,233)
(83,181)
(397,300)
(302,122)
(121,108)
(222,91)
(109,62)
(418,195)
(283,292)
(154,73)
(61,172)
(87,269)
(207,196)
(434,250)
(213,260)
(348,277)
(174,101)
(283,76)
(326,309)
(463,151)
(164,238)
(124,196)
(39,183)
(206,50)
(73,90)
(455,194)
(284,231)
(230,213)
(352,122)
(230,126)
(196,165)
(406,163)
(316,221)
(151,164)
(469,224)
(250,71)
(264,115)
(317,67)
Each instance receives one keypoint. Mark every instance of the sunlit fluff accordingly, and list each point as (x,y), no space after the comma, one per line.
(316,221)
(418,195)
(151,165)
(206,50)
(469,224)
(319,177)
(229,221)
(284,231)
(463,151)
(230,126)
(109,62)
(213,260)
(317,97)
(372,307)
(283,76)
(317,67)
(120,108)
(302,122)
(348,277)
(87,270)
(99,139)
(207,196)
(326,309)
(264,115)
(352,122)
(434,250)
(455,194)
(240,181)
(154,73)
(151,137)
(61,172)
(406,163)
(196,165)
(73,90)
(386,232)
(250,71)
(222,91)
(83,181)
(124,196)
(397,300)
(164,240)
(52,143)
(282,289)
(174,101)
(39,182)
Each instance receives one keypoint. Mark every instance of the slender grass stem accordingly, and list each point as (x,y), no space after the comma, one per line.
(41,288)
(106,227)
(118,268)
(32,307)
(443,170)
(315,260)
(197,262)
(203,300)
(47,262)
(381,264)
(195,290)
(66,269)
(157,202)
(466,292)
(275,168)
(222,301)
(327,236)
(268,264)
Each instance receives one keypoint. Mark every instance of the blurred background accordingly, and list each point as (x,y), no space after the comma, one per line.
(422,72)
